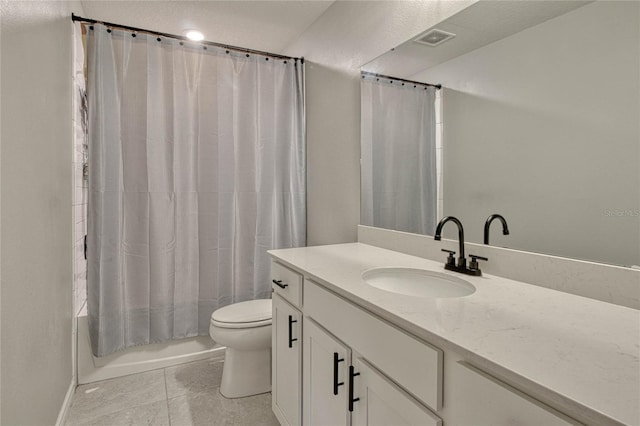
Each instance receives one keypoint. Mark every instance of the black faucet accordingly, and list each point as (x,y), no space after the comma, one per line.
(505,228)
(462,261)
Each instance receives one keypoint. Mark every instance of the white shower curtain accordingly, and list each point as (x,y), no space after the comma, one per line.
(398,148)
(196,168)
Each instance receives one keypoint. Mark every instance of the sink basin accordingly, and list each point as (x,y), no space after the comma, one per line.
(417,282)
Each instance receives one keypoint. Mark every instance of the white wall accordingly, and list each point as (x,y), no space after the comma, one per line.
(334,57)
(36,196)
(80,195)
(542,127)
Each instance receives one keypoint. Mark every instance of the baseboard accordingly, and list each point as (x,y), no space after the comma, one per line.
(62,415)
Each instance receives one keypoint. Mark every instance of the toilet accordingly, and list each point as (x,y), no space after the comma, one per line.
(245,329)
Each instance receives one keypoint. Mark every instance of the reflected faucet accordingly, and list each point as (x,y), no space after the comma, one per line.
(505,228)
(461,267)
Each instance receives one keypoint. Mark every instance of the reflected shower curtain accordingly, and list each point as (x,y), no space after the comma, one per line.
(398,148)
(196,168)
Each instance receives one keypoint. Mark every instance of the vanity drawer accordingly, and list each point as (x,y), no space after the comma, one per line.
(411,363)
(484,400)
(289,284)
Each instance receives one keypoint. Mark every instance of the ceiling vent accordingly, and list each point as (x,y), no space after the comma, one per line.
(434,37)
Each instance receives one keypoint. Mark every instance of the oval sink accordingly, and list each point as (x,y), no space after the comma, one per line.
(417,282)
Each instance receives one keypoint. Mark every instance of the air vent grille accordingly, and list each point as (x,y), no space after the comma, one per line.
(434,37)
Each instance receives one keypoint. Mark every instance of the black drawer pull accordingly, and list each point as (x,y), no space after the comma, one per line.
(336,360)
(352,374)
(291,339)
(279,283)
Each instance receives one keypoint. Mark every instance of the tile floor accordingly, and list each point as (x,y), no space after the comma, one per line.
(185,394)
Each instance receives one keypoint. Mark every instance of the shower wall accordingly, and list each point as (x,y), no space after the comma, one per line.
(80,189)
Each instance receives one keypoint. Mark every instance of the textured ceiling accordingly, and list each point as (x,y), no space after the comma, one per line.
(262,25)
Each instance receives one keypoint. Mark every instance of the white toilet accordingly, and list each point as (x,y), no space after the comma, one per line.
(245,329)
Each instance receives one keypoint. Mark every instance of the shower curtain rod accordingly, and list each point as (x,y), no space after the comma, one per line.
(77,18)
(437,86)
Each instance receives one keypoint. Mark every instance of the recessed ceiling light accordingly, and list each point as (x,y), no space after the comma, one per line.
(193,35)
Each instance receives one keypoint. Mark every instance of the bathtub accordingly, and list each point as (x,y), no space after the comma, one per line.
(140,358)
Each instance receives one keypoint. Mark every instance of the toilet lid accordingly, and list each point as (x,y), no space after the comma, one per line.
(252,313)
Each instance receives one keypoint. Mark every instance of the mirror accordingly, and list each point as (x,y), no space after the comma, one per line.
(539,119)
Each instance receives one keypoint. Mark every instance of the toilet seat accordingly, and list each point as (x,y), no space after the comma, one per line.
(249,314)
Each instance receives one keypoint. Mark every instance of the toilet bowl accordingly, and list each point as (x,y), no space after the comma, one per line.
(245,329)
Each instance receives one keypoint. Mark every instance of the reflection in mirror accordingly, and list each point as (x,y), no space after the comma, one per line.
(540,112)
(399,143)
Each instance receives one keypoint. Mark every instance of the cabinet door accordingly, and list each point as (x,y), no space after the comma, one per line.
(325,367)
(380,402)
(286,359)
(416,365)
(486,401)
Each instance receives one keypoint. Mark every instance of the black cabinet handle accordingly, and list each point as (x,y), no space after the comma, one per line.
(352,374)
(336,360)
(279,283)
(291,339)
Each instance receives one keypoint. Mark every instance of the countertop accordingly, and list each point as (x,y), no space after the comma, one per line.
(570,351)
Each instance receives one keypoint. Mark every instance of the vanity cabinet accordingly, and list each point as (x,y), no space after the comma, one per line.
(286,346)
(342,343)
(413,363)
(483,400)
(342,389)
(381,402)
(349,366)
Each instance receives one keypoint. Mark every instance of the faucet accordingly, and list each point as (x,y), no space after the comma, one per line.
(505,228)
(461,267)
(462,261)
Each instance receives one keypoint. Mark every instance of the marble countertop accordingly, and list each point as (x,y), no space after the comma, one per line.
(569,351)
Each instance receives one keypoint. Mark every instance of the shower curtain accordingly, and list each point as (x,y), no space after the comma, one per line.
(398,148)
(196,169)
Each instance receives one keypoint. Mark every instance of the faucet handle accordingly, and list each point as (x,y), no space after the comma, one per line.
(473,265)
(451,260)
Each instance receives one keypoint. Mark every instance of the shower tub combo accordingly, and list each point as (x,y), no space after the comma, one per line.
(139,358)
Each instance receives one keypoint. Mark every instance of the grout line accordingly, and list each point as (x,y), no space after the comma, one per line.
(166,394)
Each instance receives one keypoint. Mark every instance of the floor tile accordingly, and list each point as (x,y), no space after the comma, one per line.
(110,396)
(156,414)
(211,408)
(193,377)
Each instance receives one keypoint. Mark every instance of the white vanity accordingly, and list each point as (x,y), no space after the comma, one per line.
(345,352)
